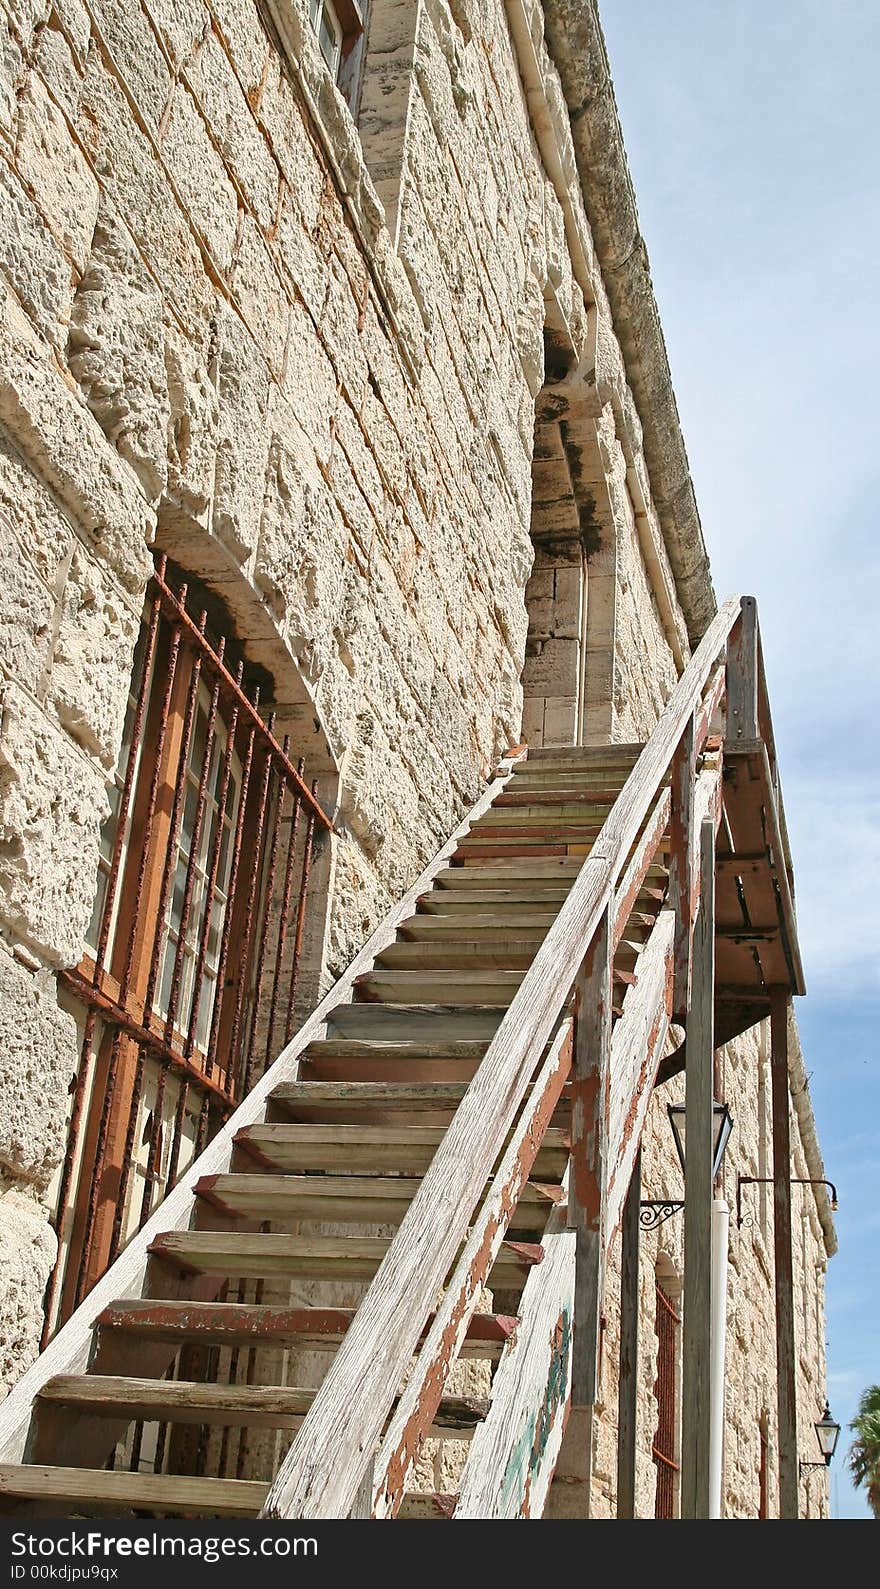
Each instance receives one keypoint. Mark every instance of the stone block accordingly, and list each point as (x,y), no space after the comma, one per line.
(90,673)
(27,611)
(52,803)
(64,446)
(200,178)
(50,162)
(117,352)
(310,383)
(260,294)
(31,259)
(181,24)
(192,434)
(40,1054)
(282,121)
(243,387)
(43,533)
(234,128)
(131,174)
(27,1252)
(131,46)
(11,71)
(57,66)
(245,38)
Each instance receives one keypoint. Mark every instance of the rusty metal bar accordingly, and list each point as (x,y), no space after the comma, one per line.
(300,924)
(195,839)
(104,1124)
(128,1153)
(247,928)
(170,867)
(213,868)
(227,920)
(247,707)
(179,1117)
(153,1155)
(128,786)
(268,890)
(283,921)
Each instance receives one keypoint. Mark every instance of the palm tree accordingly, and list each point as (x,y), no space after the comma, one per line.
(864,1453)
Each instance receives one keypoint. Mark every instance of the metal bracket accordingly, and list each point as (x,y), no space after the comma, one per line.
(653,1211)
(767,1180)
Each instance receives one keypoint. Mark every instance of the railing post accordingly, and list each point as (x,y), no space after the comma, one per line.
(588,1192)
(682,863)
(699,1051)
(786,1389)
(742,674)
(628,1379)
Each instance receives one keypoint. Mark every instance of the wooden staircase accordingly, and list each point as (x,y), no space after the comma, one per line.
(345,1145)
(395,1248)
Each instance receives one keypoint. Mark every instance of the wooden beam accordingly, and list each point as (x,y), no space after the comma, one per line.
(742,675)
(699,1050)
(786,1411)
(590,1098)
(682,861)
(514,1452)
(628,1379)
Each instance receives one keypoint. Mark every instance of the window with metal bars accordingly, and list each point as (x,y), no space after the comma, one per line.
(665,1447)
(188,985)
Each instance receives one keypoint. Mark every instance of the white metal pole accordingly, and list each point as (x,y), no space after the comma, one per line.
(718,1348)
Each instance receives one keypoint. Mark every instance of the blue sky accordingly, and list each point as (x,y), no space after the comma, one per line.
(752,134)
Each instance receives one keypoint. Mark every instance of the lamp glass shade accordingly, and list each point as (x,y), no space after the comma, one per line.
(827,1434)
(722,1125)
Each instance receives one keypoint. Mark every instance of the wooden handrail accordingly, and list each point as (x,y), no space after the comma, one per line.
(323,1470)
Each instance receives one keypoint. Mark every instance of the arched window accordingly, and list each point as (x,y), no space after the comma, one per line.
(189,983)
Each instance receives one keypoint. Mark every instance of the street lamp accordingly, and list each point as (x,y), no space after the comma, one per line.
(653,1211)
(721,1123)
(827,1433)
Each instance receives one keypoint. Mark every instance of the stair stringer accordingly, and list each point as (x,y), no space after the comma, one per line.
(514,1453)
(70,1350)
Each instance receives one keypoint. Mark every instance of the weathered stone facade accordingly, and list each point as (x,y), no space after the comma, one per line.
(302,357)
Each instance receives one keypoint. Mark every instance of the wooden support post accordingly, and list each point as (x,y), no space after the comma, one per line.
(628,1380)
(682,865)
(699,1049)
(786,1412)
(588,1190)
(742,675)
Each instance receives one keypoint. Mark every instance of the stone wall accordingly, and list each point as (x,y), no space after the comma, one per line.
(212,344)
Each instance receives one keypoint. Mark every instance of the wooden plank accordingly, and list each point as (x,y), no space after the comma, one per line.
(631,888)
(588,1183)
(69,1350)
(742,674)
(628,1374)
(443,1343)
(637,1047)
(245,1324)
(340,1199)
(363,1147)
(783,1275)
(699,1054)
(260,1255)
(324,1467)
(182,1401)
(682,862)
(513,1453)
(96,1491)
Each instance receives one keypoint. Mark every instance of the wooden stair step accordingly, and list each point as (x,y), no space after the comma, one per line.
(258,1256)
(558,871)
(522,796)
(299,1097)
(383,1062)
(561,814)
(191,1401)
(459,988)
(535,924)
(342,1199)
(95,1491)
(365,1148)
(415,1021)
(619,752)
(459,954)
(245,1324)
